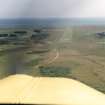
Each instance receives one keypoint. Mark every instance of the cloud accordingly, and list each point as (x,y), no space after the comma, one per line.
(51,8)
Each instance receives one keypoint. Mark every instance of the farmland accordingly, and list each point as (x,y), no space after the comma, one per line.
(71,52)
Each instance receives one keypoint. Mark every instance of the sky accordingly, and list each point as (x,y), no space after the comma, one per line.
(52,8)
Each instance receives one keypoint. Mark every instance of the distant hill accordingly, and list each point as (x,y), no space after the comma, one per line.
(50,22)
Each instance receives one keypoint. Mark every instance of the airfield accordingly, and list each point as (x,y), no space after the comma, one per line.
(71,52)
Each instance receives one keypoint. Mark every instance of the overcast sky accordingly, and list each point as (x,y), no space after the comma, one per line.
(51,8)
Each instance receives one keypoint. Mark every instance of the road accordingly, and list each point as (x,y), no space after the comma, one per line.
(57,54)
(49,60)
